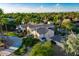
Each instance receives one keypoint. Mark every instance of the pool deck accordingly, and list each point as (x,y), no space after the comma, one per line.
(7,52)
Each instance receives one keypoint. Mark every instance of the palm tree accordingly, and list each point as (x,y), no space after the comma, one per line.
(26,19)
(67,25)
(55,21)
(1,30)
(5,22)
(1,11)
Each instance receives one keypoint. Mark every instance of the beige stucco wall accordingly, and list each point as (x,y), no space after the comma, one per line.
(36,35)
(29,29)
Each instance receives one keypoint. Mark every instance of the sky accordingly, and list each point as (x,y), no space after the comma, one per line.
(39,7)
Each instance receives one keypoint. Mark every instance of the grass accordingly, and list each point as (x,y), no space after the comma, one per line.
(10,34)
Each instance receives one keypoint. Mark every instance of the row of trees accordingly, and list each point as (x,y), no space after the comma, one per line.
(56,18)
(39,17)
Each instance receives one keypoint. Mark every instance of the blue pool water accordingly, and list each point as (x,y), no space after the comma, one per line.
(16,41)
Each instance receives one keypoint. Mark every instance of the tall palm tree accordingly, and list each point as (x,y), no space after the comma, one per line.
(26,19)
(5,22)
(55,21)
(1,30)
(1,11)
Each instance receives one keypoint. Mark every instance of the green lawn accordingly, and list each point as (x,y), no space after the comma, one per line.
(10,34)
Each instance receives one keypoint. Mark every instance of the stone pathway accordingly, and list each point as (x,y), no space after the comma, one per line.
(5,53)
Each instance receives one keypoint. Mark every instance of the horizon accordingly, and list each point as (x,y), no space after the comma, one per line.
(39,7)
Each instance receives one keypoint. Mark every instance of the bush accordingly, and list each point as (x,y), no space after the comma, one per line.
(76,29)
(71,45)
(42,49)
(21,50)
(30,41)
(1,39)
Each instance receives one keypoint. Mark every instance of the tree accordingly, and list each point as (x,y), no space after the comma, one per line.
(26,20)
(30,41)
(67,24)
(71,45)
(55,21)
(1,11)
(11,25)
(1,30)
(4,22)
(42,49)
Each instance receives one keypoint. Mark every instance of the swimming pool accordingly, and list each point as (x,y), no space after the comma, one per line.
(16,41)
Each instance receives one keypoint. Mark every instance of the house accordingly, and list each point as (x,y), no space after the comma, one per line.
(20,28)
(76,23)
(41,31)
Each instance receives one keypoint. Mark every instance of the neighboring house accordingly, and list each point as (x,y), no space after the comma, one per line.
(76,23)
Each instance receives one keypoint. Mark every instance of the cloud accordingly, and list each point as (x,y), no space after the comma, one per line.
(39,9)
(27,9)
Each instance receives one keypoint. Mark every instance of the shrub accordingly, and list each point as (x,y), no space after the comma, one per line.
(21,50)
(30,41)
(71,45)
(42,49)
